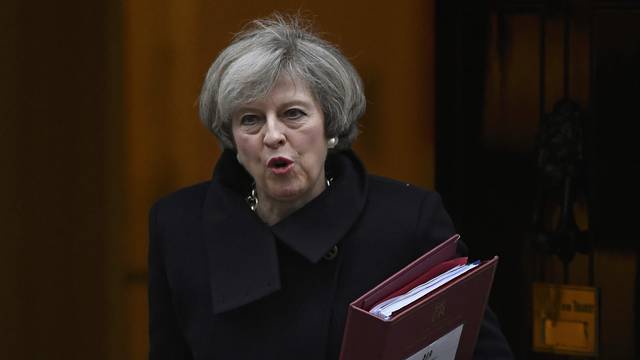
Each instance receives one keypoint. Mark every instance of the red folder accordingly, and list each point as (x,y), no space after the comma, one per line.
(451,313)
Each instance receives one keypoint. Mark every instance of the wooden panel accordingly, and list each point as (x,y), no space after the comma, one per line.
(616,90)
(137,320)
(616,78)
(10,342)
(512,108)
(9,298)
(614,276)
(166,145)
(53,183)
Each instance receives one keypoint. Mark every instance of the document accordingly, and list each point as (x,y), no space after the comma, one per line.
(444,348)
(385,309)
(428,275)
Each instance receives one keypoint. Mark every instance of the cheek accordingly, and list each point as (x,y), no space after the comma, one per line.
(243,147)
(247,156)
(313,139)
(316,149)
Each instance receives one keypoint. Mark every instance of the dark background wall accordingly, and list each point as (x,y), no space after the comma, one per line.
(500,69)
(54,113)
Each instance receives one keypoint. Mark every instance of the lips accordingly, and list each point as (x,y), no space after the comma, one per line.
(280,165)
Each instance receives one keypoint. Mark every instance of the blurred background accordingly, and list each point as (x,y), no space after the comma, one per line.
(98,118)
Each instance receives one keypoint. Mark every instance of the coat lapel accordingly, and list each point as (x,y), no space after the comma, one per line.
(241,249)
(243,263)
(313,230)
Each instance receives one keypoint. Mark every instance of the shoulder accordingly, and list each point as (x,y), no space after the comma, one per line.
(188,196)
(175,205)
(396,199)
(398,191)
(410,206)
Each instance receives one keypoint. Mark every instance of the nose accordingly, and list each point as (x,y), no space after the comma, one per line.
(274,133)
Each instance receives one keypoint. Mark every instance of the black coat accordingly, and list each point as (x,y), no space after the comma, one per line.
(224,285)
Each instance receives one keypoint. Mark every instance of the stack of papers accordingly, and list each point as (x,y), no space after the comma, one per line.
(385,309)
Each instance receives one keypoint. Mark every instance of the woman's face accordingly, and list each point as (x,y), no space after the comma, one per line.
(281,142)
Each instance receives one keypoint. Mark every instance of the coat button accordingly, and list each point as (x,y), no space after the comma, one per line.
(332,253)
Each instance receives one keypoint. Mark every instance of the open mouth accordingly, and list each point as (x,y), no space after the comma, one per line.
(280,165)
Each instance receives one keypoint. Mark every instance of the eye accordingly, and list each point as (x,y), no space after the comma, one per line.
(249,119)
(294,114)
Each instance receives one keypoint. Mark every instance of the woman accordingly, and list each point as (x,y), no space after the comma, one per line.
(262,261)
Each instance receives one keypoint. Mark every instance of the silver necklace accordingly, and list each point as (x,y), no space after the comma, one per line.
(252,199)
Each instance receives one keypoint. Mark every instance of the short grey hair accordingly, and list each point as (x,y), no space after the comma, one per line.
(266,49)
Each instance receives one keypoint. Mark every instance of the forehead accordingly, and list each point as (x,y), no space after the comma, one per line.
(284,90)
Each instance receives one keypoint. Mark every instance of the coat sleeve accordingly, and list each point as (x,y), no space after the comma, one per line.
(435,226)
(165,338)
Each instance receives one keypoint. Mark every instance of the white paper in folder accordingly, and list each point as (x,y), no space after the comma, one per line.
(386,308)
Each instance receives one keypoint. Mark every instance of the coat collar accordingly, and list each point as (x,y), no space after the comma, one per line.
(242,250)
